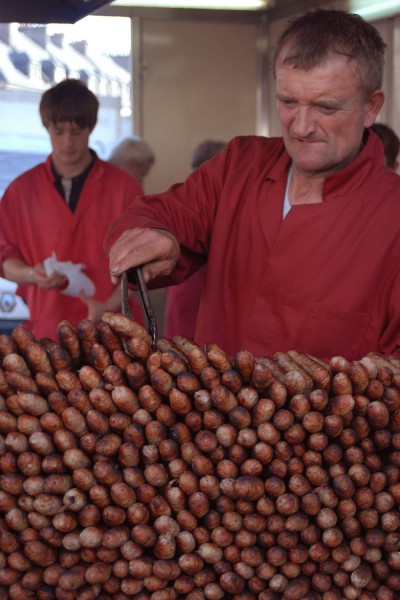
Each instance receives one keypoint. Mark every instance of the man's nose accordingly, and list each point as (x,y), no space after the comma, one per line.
(67,137)
(303,123)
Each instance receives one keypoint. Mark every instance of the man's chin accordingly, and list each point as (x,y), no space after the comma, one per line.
(308,165)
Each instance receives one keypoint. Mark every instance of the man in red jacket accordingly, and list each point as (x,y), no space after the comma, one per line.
(301,234)
(64,206)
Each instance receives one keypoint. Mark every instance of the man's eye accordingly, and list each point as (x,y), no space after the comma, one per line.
(328,109)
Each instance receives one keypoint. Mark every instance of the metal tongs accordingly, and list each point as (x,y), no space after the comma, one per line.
(144,295)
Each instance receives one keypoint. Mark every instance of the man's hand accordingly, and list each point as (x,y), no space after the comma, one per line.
(95,307)
(16,269)
(157,250)
(47,282)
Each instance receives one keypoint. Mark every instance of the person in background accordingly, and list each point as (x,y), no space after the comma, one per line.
(391,144)
(64,206)
(182,301)
(300,233)
(134,156)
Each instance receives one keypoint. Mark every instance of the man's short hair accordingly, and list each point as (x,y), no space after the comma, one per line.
(310,38)
(72,101)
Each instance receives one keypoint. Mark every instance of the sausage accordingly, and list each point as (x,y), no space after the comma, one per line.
(33,404)
(97,422)
(69,339)
(210,377)
(102,401)
(153,362)
(149,398)
(223,399)
(60,358)
(7,345)
(22,337)
(121,359)
(289,364)
(57,402)
(5,389)
(46,383)
(108,337)
(359,377)
(188,382)
(40,554)
(380,361)
(338,364)
(118,422)
(67,380)
(320,374)
(296,382)
(244,363)
(15,362)
(180,402)
(74,421)
(218,358)
(262,376)
(80,400)
(341,405)
(162,382)
(8,422)
(139,348)
(173,362)
(72,579)
(196,356)
(21,383)
(137,375)
(124,326)
(341,383)
(125,399)
(38,359)
(163,344)
(98,572)
(50,422)
(88,335)
(114,376)
(13,405)
(232,380)
(90,377)
(99,357)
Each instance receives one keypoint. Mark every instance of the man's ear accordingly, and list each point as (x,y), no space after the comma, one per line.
(374,105)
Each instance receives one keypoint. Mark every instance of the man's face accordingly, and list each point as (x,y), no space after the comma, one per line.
(323,113)
(70,144)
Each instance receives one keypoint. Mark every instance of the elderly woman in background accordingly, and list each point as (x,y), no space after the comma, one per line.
(134,156)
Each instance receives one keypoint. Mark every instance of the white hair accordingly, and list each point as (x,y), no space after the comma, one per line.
(132,149)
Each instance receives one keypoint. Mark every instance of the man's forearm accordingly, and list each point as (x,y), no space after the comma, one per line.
(16,269)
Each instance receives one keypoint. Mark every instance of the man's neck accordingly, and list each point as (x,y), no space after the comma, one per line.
(305,190)
(70,171)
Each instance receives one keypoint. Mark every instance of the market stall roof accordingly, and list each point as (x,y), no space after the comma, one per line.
(48,11)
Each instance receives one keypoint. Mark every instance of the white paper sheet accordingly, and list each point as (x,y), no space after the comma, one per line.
(77,281)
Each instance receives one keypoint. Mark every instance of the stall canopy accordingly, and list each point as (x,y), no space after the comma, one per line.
(48,11)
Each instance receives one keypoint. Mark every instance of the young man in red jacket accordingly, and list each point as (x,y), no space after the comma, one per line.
(64,206)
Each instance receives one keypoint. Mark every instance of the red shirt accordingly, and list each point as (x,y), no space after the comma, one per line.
(325,280)
(35,221)
(182,305)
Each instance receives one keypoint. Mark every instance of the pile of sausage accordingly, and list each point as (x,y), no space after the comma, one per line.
(181,472)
